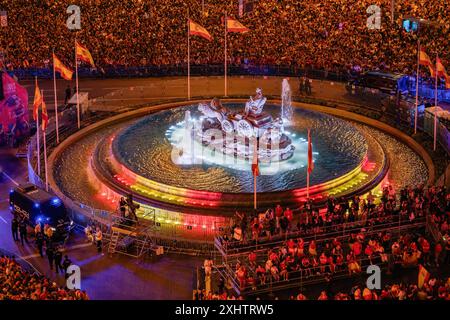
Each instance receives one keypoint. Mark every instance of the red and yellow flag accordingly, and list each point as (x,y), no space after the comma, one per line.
(424,275)
(424,59)
(83,54)
(65,72)
(37,101)
(235,26)
(441,72)
(310,153)
(197,30)
(44,116)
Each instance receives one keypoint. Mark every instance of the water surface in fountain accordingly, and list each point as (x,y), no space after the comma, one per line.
(145,147)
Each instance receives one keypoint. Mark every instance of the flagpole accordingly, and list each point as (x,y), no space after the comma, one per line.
(189,60)
(76,84)
(417,87)
(56,98)
(307,184)
(435,102)
(254,191)
(45,152)
(225,55)
(38,146)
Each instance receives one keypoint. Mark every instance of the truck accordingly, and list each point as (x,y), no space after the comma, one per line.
(37,206)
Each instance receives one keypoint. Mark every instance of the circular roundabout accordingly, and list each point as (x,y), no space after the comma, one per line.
(153,153)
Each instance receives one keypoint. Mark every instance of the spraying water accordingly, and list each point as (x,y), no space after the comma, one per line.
(286,103)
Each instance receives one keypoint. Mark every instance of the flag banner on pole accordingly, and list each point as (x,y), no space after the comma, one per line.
(44,116)
(235,26)
(197,30)
(424,275)
(447,82)
(255,162)
(3,19)
(37,101)
(83,54)
(424,59)
(65,72)
(310,153)
(441,72)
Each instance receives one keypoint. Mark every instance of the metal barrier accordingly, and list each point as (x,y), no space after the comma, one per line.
(230,248)
(297,278)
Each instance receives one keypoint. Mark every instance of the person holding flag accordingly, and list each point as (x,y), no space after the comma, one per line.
(231,25)
(66,74)
(310,162)
(82,53)
(194,29)
(423,277)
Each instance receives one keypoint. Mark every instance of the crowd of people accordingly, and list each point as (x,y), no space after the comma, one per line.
(300,253)
(410,204)
(16,283)
(331,36)
(433,289)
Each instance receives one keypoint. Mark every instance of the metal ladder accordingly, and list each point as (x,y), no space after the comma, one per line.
(113,242)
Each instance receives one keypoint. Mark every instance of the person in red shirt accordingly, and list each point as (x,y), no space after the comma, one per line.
(437,253)
(261,273)
(323,296)
(252,259)
(425,245)
(357,248)
(289,215)
(323,262)
(306,267)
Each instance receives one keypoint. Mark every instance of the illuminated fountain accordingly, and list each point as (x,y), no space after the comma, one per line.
(233,133)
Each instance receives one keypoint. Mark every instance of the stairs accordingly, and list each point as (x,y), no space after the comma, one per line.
(113,242)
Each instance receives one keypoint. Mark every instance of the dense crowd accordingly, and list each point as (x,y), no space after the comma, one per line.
(329,35)
(409,204)
(433,289)
(297,258)
(16,283)
(370,240)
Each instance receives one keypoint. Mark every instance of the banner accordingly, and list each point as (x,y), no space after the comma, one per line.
(14,119)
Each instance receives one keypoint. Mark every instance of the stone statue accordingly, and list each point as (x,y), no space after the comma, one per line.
(255,105)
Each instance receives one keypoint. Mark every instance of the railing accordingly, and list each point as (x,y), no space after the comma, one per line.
(230,248)
(296,278)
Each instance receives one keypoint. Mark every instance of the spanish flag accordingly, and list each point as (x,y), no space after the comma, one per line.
(440,68)
(235,26)
(197,30)
(65,72)
(424,59)
(83,54)
(44,116)
(424,275)
(37,101)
